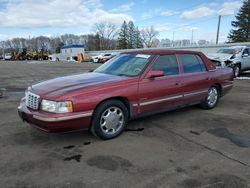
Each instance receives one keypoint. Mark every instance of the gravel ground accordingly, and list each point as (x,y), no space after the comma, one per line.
(186,148)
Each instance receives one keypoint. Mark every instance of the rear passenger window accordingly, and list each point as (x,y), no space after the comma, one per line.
(192,63)
(203,67)
(168,64)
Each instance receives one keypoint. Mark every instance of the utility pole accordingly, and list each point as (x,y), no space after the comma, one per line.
(218,30)
(192,39)
(173,39)
(3,49)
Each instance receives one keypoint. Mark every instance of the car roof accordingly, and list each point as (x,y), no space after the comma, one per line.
(161,52)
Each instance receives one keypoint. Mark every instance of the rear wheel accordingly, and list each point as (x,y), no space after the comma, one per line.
(109,120)
(212,98)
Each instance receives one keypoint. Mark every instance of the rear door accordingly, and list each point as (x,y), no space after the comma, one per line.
(195,78)
(156,94)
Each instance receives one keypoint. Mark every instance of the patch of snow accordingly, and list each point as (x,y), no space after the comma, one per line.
(243,78)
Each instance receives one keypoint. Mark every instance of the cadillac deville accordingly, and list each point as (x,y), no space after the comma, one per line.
(131,85)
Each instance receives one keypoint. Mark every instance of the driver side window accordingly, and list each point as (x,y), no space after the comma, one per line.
(246,52)
(168,64)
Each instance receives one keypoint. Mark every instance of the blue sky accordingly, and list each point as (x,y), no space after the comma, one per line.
(28,18)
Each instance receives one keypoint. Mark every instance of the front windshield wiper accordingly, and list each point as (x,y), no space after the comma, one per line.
(122,75)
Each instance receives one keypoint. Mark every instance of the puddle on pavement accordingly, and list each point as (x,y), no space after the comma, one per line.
(241,141)
(86,143)
(68,147)
(74,157)
(194,132)
(138,129)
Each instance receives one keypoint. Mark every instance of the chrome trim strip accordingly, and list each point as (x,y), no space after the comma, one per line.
(195,93)
(226,86)
(55,119)
(160,100)
(135,105)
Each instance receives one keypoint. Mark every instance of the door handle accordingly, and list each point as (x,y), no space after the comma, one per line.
(208,78)
(177,84)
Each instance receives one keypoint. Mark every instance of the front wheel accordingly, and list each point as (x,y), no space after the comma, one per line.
(109,120)
(212,98)
(237,70)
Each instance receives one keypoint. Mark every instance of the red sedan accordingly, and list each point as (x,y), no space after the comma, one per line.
(131,85)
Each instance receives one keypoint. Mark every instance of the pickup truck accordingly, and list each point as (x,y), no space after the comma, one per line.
(131,85)
(236,57)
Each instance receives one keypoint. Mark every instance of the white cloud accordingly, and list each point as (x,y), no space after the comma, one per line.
(124,7)
(228,8)
(57,13)
(162,28)
(198,13)
(169,13)
(151,13)
(187,28)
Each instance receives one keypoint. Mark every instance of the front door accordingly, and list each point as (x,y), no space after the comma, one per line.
(157,94)
(245,64)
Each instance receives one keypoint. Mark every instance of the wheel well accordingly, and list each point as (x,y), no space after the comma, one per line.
(219,87)
(124,100)
(238,63)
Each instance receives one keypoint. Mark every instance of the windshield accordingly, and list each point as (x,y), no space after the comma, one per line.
(228,51)
(125,65)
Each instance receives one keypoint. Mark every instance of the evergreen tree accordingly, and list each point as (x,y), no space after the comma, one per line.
(131,35)
(123,36)
(138,39)
(241,33)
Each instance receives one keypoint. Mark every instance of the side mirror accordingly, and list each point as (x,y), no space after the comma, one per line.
(245,55)
(155,74)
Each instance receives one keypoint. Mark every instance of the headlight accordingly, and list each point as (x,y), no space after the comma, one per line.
(57,107)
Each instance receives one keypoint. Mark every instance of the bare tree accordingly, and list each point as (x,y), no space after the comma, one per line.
(148,36)
(107,32)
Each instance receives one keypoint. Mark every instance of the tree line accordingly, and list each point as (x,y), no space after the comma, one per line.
(107,36)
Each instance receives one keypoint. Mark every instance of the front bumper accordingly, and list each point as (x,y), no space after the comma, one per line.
(50,122)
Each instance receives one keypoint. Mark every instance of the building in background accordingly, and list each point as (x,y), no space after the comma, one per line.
(70,52)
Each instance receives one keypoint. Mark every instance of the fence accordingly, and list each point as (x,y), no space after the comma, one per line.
(205,49)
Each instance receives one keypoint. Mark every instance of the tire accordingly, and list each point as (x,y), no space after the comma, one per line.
(109,120)
(212,98)
(237,70)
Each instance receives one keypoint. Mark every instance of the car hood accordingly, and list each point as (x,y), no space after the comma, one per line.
(61,86)
(219,56)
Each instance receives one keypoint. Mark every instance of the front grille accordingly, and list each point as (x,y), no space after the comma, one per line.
(32,100)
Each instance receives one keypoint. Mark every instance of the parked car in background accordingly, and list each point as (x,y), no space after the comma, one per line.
(131,85)
(236,57)
(7,56)
(105,58)
(95,59)
(102,58)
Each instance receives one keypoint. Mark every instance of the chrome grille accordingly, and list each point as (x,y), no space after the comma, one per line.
(32,100)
